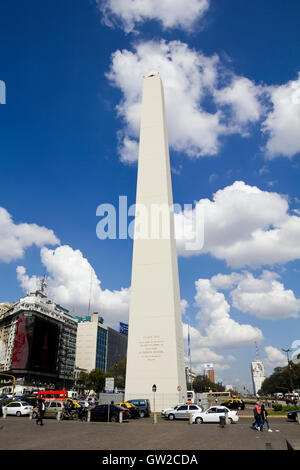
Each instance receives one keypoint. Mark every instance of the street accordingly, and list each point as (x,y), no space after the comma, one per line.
(23,434)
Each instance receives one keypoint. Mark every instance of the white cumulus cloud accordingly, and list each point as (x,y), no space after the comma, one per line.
(130,13)
(244,226)
(15,238)
(273,358)
(265,297)
(189,78)
(73,283)
(218,329)
(283,121)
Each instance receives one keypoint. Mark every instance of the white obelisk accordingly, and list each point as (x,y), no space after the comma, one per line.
(155,353)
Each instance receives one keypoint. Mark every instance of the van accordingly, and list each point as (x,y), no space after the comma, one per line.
(143,405)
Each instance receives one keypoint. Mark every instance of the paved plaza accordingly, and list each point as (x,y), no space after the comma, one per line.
(143,434)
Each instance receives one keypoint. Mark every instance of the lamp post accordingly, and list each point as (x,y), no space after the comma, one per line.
(154,388)
(289,369)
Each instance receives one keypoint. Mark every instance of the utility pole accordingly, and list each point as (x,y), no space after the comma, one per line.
(289,368)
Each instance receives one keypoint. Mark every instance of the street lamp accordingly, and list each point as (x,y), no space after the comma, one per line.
(289,369)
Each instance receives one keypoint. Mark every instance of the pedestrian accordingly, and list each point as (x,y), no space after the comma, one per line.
(41,411)
(264,415)
(258,424)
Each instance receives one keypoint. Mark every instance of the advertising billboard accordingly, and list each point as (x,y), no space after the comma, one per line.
(36,344)
(124,328)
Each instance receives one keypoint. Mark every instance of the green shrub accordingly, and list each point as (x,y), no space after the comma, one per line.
(277,407)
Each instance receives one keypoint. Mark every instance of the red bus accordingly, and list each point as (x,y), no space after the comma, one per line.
(53,394)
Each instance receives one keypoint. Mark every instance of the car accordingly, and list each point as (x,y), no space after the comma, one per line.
(213,414)
(234,404)
(133,411)
(181,411)
(30,400)
(17,408)
(169,410)
(106,413)
(293,415)
(84,403)
(143,406)
(92,400)
(51,409)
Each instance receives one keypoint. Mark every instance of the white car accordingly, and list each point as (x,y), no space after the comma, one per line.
(213,414)
(84,403)
(181,411)
(17,408)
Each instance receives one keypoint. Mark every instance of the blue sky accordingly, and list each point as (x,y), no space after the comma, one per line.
(69,129)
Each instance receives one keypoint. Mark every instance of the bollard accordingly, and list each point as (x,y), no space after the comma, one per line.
(58,416)
(4,413)
(120,417)
(89,416)
(191,418)
(30,415)
(154,418)
(298,417)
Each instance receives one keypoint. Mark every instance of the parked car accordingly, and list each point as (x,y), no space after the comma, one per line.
(133,411)
(31,400)
(17,408)
(84,403)
(105,413)
(213,414)
(293,415)
(143,405)
(92,400)
(234,404)
(181,411)
(51,409)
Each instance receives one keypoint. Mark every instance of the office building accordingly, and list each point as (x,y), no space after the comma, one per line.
(98,346)
(257,374)
(209,372)
(38,341)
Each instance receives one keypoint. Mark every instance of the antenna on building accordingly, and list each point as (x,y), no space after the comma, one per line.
(256,352)
(43,284)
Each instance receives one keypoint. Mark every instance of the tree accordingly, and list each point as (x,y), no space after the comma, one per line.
(280,380)
(202,384)
(118,372)
(96,380)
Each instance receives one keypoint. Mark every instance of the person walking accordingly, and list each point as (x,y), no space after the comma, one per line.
(258,423)
(264,415)
(41,411)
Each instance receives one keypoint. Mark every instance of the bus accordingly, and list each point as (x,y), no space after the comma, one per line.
(52,394)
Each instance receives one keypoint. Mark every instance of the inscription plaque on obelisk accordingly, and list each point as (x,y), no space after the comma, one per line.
(155,344)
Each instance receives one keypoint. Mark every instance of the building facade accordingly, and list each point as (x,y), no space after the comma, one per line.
(38,342)
(189,375)
(91,343)
(98,346)
(257,374)
(209,372)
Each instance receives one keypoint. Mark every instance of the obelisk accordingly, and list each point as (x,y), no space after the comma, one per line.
(155,354)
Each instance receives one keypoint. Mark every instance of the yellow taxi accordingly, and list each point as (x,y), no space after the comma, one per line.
(234,404)
(132,410)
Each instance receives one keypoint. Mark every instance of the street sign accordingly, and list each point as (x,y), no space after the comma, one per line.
(109,385)
(154,388)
